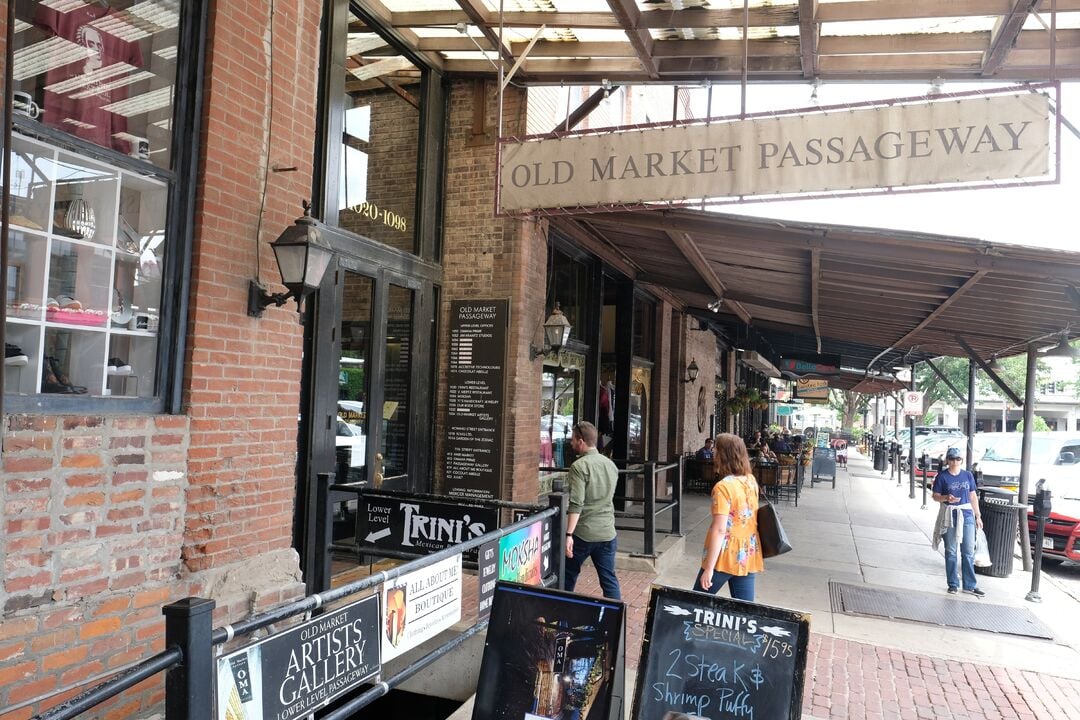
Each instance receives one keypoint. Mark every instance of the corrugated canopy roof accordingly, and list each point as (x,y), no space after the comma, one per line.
(875,297)
(694,40)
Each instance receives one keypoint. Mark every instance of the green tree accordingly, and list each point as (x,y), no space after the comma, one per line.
(1039,425)
(1013,371)
(847,405)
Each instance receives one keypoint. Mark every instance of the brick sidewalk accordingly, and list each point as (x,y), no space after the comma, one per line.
(848,679)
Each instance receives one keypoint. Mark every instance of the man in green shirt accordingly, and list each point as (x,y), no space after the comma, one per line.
(590,521)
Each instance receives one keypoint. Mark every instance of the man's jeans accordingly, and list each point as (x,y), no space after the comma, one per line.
(603,557)
(967,552)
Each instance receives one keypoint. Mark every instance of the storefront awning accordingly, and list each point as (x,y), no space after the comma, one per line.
(878,298)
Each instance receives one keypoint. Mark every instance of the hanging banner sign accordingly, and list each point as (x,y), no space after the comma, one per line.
(420,605)
(948,141)
(810,390)
(290,674)
(804,367)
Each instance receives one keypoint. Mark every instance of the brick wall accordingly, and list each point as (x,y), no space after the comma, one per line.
(93,523)
(489,257)
(244,373)
(701,348)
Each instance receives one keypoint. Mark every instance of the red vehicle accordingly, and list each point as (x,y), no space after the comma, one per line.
(1061,536)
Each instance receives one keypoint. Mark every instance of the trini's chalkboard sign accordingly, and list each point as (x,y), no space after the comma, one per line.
(709,657)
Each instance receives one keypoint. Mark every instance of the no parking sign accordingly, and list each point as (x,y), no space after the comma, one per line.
(913,403)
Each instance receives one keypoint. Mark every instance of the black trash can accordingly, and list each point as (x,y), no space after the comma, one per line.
(998,509)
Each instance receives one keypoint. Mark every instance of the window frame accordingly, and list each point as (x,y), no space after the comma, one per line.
(179,228)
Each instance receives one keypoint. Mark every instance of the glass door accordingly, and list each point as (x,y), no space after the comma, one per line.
(393,458)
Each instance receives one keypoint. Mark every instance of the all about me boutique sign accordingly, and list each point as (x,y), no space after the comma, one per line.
(976,139)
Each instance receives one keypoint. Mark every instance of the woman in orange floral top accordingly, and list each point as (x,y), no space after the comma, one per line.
(732,547)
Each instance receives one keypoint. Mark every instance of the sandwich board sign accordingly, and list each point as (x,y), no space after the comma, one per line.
(704,656)
(551,654)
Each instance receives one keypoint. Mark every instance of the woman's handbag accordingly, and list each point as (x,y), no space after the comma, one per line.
(774,541)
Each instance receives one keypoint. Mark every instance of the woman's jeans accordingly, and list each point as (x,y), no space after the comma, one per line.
(603,557)
(967,553)
(741,586)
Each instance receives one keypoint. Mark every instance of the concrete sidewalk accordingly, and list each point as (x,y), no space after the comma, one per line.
(867,530)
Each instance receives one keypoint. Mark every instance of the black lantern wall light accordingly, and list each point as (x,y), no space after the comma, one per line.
(556,333)
(692,371)
(303,255)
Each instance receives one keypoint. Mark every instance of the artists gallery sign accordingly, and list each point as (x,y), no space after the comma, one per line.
(971,139)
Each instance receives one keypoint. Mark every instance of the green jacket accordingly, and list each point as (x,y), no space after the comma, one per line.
(592,486)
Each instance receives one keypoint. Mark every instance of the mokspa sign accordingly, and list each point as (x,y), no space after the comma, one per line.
(969,139)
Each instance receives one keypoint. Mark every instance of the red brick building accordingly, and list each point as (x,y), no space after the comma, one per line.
(151,443)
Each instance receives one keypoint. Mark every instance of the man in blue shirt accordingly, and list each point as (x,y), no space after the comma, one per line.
(705,451)
(956,486)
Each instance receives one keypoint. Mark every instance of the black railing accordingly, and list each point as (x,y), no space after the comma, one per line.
(188,660)
(652,506)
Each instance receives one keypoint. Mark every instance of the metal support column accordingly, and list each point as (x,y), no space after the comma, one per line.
(561,501)
(1025,456)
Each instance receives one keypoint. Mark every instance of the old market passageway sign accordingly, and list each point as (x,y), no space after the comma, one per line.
(971,139)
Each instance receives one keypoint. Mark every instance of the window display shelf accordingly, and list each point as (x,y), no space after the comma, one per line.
(84,279)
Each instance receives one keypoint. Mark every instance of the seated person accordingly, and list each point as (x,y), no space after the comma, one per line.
(705,452)
(782,444)
(756,442)
(767,455)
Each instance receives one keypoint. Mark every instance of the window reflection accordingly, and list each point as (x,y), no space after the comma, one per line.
(398,358)
(102,71)
(381,140)
(355,332)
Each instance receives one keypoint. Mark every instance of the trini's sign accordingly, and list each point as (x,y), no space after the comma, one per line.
(978,139)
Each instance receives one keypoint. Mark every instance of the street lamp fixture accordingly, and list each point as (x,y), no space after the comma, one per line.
(692,371)
(303,255)
(556,333)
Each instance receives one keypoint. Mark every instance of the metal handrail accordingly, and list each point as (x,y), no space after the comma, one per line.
(114,686)
(314,602)
(174,658)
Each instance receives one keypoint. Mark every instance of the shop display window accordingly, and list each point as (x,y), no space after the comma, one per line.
(84,275)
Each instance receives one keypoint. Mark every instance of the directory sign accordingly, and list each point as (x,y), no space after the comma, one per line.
(474,415)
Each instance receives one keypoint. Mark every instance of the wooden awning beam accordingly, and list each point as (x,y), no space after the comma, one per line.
(808,35)
(685,245)
(1004,386)
(628,15)
(1005,34)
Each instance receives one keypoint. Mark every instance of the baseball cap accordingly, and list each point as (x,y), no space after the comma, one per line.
(953,453)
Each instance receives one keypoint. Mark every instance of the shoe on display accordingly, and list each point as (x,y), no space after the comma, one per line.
(54,379)
(14,356)
(118,367)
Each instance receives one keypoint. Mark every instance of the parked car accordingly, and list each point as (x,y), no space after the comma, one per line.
(934,447)
(1061,535)
(1055,457)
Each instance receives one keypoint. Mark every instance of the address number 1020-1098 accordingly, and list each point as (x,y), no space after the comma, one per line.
(388,218)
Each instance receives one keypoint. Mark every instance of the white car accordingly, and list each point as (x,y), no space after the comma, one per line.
(1055,457)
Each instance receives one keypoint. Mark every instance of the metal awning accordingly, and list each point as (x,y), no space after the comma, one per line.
(634,41)
(878,298)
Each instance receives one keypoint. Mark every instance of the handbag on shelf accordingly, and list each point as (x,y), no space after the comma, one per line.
(774,541)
